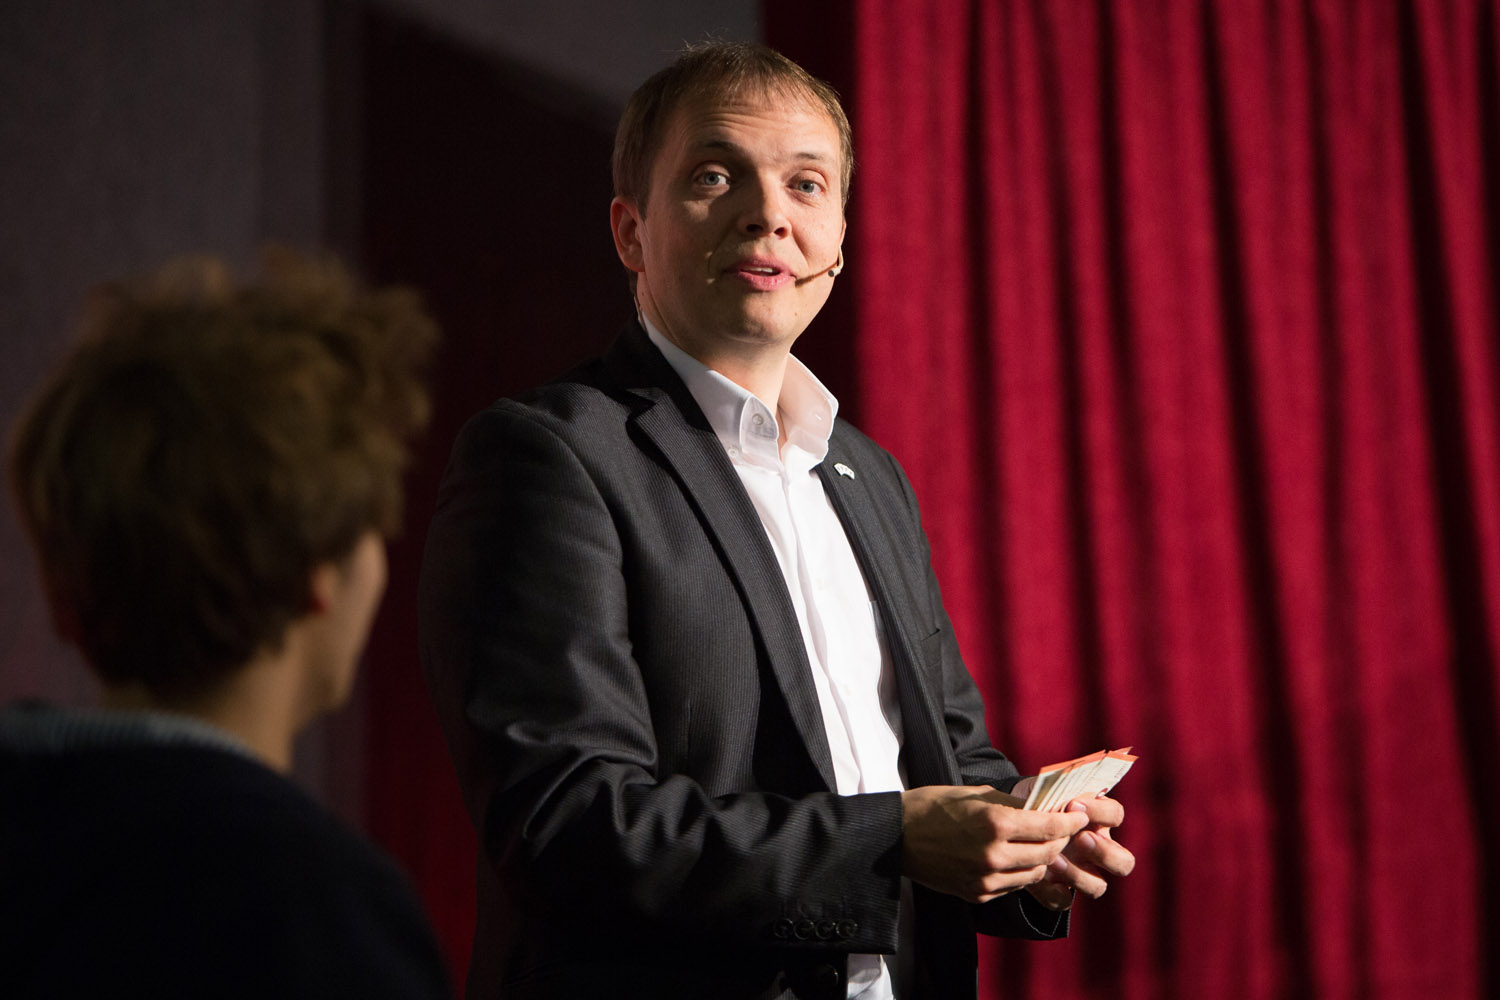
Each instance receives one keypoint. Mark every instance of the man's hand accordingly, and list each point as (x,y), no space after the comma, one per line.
(977,843)
(1090,859)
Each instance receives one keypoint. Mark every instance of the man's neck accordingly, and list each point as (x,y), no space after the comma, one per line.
(758,368)
(761,376)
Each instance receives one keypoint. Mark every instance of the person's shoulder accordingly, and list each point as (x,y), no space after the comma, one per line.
(283,826)
(583,393)
(315,883)
(851,443)
(590,406)
(212,803)
(629,375)
(231,867)
(849,436)
(577,414)
(217,795)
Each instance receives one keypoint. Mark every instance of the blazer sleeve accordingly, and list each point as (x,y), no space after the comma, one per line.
(525,629)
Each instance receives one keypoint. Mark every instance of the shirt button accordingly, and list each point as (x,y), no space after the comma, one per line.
(757,420)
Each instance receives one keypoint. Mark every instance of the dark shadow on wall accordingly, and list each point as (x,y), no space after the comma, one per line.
(487,188)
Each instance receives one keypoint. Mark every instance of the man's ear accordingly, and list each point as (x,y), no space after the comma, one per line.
(625,223)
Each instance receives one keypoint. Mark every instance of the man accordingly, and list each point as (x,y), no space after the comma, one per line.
(682,631)
(206,480)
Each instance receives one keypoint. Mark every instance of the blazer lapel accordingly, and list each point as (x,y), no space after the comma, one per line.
(924,748)
(673,423)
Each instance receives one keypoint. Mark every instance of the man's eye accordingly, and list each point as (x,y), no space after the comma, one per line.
(713,178)
(808,186)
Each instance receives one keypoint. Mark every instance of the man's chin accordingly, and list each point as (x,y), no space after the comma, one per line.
(765,323)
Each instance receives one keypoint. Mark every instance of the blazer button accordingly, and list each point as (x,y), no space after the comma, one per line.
(781,929)
(804,930)
(826,975)
(846,929)
(826,929)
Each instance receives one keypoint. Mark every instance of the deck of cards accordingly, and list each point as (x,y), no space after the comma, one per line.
(1085,777)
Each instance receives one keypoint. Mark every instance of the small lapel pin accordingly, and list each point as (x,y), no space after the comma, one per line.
(843,469)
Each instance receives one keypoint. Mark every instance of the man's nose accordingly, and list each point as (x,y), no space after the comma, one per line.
(763,213)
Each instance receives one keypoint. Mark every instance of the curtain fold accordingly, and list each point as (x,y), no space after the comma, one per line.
(1182,317)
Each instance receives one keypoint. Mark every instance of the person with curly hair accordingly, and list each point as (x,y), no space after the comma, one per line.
(208,480)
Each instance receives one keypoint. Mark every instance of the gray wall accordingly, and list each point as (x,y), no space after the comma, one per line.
(605,47)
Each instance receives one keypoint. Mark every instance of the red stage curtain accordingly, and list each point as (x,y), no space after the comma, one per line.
(1182,316)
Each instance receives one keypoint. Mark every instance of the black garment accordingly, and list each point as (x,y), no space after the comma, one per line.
(137,866)
(623,683)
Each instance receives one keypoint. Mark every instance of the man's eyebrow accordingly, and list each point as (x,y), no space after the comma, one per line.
(730,146)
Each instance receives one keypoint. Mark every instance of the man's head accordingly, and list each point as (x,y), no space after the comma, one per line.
(207,452)
(716,73)
(731,169)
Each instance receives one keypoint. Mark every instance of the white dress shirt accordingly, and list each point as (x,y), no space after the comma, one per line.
(850,667)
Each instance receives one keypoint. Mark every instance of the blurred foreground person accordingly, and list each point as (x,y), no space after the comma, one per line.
(208,480)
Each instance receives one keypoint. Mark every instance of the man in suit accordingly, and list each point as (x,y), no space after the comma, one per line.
(682,632)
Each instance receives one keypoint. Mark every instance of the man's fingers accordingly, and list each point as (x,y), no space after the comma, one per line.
(977,844)
(1020,856)
(999,884)
(1029,826)
(1102,811)
(1063,872)
(1097,852)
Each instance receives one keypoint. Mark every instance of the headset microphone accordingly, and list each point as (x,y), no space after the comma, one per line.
(832,272)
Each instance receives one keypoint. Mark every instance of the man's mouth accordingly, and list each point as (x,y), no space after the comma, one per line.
(761,273)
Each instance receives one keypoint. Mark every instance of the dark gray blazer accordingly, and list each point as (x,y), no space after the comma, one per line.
(623,687)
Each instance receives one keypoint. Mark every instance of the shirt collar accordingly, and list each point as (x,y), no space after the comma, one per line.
(743,423)
(42,728)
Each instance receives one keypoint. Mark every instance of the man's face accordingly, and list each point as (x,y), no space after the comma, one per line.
(743,220)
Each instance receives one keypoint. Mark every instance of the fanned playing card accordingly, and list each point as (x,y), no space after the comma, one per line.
(1058,784)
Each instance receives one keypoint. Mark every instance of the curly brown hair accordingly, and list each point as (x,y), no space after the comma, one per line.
(204,446)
